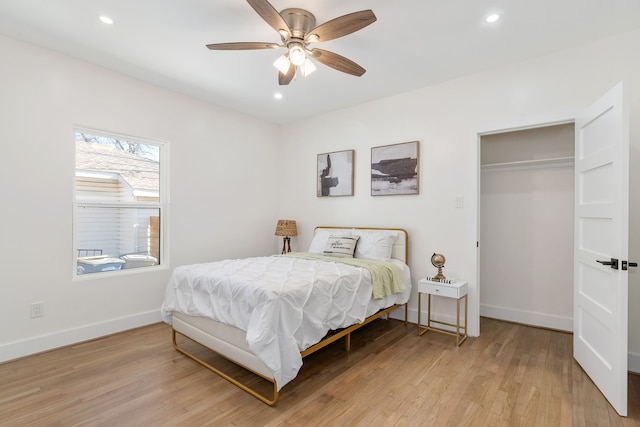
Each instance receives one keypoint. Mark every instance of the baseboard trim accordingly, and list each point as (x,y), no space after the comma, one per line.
(633,363)
(39,344)
(528,317)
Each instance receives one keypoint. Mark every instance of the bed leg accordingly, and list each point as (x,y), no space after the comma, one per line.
(348,342)
(406,314)
(265,399)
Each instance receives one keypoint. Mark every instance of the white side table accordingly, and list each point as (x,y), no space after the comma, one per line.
(457,290)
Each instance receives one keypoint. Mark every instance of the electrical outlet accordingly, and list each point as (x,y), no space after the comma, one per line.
(459,202)
(37,309)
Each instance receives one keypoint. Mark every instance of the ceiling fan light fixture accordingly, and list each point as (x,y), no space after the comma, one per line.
(307,68)
(297,55)
(282,64)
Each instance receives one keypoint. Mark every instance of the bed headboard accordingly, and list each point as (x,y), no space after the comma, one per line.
(400,248)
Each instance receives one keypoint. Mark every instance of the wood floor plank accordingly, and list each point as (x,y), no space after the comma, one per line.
(511,375)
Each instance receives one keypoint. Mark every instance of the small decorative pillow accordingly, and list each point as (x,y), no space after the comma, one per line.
(341,246)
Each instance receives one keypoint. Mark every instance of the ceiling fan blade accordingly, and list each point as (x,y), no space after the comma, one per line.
(271,16)
(341,26)
(285,79)
(243,46)
(337,62)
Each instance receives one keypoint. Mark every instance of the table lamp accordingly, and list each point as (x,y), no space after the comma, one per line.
(287,229)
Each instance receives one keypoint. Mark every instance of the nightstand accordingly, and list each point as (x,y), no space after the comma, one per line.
(457,290)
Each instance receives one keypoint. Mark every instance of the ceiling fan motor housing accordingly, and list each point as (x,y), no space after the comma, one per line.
(300,22)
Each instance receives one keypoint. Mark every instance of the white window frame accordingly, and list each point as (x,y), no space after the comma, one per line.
(162,205)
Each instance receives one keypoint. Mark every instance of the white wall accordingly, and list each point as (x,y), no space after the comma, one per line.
(214,193)
(446,119)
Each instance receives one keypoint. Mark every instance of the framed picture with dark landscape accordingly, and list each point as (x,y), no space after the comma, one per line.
(394,169)
(335,174)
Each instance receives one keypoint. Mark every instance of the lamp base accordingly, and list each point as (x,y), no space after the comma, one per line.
(286,245)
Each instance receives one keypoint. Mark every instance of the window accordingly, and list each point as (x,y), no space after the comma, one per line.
(119,202)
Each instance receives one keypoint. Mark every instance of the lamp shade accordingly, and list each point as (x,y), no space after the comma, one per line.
(282,64)
(307,68)
(287,228)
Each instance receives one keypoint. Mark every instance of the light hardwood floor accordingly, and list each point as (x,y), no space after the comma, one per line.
(511,375)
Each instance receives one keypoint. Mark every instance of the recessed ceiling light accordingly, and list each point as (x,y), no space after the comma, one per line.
(277,95)
(106,20)
(493,18)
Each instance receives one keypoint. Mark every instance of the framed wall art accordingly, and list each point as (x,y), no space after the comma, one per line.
(394,169)
(335,174)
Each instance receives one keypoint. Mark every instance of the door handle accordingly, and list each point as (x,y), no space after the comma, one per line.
(630,264)
(613,263)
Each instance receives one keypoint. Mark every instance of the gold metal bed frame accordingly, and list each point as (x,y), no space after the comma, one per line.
(329,339)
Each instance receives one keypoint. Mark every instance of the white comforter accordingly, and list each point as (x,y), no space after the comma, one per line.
(281,317)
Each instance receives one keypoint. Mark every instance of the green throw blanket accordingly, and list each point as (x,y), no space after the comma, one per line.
(386,278)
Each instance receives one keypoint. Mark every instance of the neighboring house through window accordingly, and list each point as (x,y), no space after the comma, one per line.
(119,202)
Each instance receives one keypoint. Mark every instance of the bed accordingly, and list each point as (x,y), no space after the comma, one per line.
(267,313)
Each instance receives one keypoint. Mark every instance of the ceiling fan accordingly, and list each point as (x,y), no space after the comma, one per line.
(298,30)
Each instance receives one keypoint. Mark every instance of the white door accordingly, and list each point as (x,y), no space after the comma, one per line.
(601,236)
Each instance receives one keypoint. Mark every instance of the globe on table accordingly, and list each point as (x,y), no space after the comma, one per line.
(437,260)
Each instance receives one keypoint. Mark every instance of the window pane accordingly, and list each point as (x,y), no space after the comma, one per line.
(115,238)
(118,203)
(111,169)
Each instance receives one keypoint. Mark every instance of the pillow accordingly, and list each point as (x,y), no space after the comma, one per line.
(341,246)
(375,245)
(319,241)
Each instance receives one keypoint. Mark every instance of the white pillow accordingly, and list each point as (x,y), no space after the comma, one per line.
(341,246)
(375,245)
(319,241)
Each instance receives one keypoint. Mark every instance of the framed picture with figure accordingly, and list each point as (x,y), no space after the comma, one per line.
(394,169)
(335,174)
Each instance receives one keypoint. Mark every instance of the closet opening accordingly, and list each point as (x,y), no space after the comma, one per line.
(527,226)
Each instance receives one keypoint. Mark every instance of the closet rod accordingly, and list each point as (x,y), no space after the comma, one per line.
(531,164)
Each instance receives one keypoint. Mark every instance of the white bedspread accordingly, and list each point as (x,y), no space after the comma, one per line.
(281,317)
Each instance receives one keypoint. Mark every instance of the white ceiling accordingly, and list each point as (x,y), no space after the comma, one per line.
(414,43)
